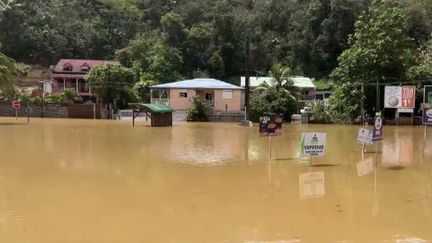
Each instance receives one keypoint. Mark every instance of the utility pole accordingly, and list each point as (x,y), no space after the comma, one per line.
(362,103)
(247,77)
(378,108)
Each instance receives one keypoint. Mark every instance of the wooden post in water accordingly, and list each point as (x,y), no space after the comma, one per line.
(269,158)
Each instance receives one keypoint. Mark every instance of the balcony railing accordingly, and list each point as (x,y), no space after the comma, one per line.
(160,101)
(307,97)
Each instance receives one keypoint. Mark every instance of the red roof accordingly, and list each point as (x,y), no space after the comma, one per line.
(78,63)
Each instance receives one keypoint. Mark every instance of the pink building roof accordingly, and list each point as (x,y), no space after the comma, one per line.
(78,65)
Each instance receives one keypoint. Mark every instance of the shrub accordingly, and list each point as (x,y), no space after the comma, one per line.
(267,101)
(54,98)
(69,95)
(344,103)
(199,110)
(319,111)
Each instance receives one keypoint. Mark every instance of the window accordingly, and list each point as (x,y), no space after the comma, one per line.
(164,94)
(60,83)
(156,94)
(85,67)
(209,96)
(327,95)
(227,94)
(183,93)
(67,67)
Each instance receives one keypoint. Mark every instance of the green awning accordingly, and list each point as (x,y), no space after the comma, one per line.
(153,108)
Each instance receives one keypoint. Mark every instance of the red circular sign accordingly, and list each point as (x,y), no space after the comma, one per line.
(16,104)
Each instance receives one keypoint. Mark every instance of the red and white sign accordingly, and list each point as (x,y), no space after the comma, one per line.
(408,96)
(16,104)
(399,97)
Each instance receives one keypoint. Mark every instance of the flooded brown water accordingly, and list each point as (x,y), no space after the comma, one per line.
(67,181)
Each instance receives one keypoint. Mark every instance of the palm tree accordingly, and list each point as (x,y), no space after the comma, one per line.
(7,74)
(282,79)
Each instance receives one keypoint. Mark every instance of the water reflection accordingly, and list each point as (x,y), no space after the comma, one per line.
(398,149)
(312,184)
(208,182)
(365,167)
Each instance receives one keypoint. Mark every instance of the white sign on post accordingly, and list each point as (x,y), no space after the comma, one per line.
(365,136)
(312,185)
(313,144)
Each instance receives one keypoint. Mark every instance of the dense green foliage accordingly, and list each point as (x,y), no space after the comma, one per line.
(381,52)
(319,112)
(349,41)
(8,72)
(275,98)
(172,39)
(113,84)
(199,110)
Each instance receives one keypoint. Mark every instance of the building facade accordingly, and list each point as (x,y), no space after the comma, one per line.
(219,95)
(69,73)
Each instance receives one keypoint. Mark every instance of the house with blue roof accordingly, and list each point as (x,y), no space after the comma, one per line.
(219,95)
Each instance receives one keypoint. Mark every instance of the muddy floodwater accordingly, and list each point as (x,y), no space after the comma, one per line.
(87,181)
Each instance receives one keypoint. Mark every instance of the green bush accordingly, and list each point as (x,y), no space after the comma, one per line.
(199,110)
(54,98)
(78,100)
(69,95)
(37,100)
(319,111)
(344,103)
(267,100)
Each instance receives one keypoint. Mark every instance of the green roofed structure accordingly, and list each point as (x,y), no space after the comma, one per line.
(160,114)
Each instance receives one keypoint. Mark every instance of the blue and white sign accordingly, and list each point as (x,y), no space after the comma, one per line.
(365,136)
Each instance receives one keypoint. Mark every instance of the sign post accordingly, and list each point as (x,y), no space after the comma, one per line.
(16,104)
(426,117)
(313,144)
(365,136)
(269,127)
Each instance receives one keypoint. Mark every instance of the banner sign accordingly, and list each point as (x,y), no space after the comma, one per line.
(365,136)
(378,129)
(270,126)
(313,144)
(399,97)
(312,185)
(427,115)
(427,96)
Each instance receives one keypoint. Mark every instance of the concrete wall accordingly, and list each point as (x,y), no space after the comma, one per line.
(181,103)
(220,104)
(50,110)
(233,104)
(227,116)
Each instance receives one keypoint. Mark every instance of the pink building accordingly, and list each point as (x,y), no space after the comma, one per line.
(220,96)
(69,73)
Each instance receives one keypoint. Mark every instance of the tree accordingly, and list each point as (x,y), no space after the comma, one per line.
(282,78)
(8,72)
(142,87)
(113,84)
(199,110)
(380,52)
(165,63)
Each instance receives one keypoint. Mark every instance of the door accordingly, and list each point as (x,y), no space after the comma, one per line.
(209,98)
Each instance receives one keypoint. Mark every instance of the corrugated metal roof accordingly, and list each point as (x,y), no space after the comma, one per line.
(78,63)
(198,83)
(300,82)
(154,108)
